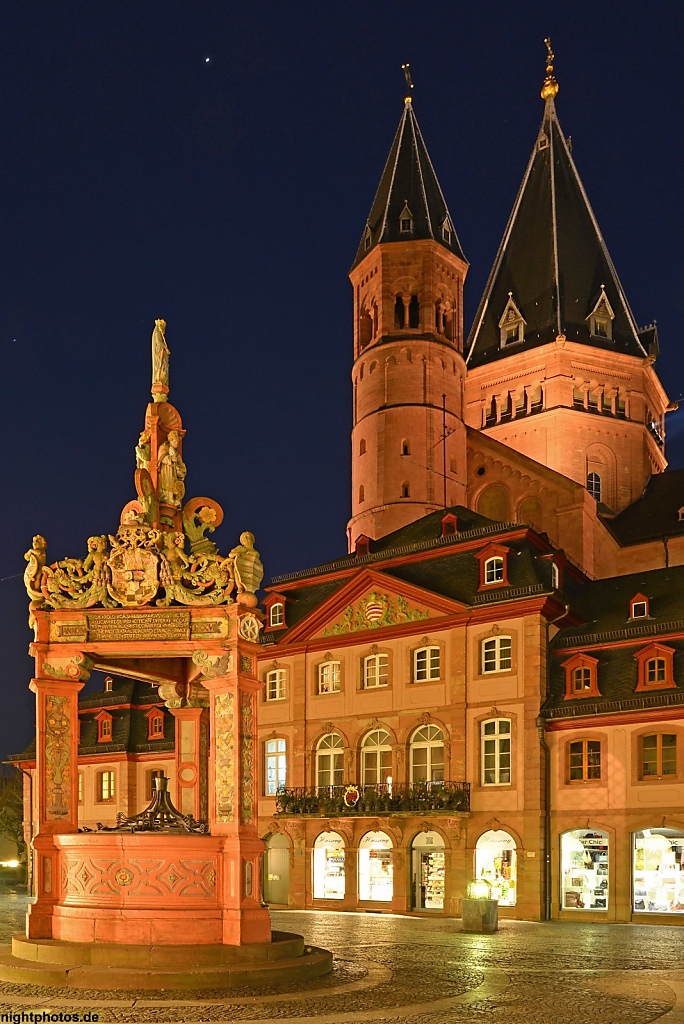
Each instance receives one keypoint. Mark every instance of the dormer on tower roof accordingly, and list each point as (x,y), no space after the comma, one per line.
(554,260)
(408,190)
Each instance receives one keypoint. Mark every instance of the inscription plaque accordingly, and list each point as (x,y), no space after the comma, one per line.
(150,626)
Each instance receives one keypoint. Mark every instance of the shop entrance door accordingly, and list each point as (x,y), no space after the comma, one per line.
(427,872)
(276,869)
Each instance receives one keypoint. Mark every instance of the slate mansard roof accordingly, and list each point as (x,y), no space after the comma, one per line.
(553,263)
(608,634)
(129,701)
(408,181)
(450,568)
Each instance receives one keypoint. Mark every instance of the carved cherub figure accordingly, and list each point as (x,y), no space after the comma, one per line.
(143,451)
(36,557)
(95,562)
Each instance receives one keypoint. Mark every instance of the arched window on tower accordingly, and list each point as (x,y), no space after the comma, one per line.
(405,490)
(414,312)
(398,311)
(594,485)
(365,328)
(362,446)
(405,447)
(361,493)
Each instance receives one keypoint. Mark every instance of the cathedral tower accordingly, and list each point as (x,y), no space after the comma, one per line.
(557,367)
(408,437)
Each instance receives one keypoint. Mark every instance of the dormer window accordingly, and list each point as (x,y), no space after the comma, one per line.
(367,239)
(276,614)
(104,727)
(447,231)
(494,570)
(680,514)
(655,668)
(362,546)
(581,678)
(493,566)
(275,611)
(449,524)
(511,324)
(406,221)
(638,607)
(555,576)
(155,724)
(601,318)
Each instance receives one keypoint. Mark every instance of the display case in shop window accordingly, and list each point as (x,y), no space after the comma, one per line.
(584,870)
(658,871)
(433,880)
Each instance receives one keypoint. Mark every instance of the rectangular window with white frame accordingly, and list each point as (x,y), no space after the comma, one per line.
(497,654)
(496,752)
(375,671)
(329,676)
(275,684)
(426,664)
(105,786)
(276,766)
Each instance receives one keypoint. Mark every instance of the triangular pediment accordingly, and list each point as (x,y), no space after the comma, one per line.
(511,314)
(372,601)
(603,307)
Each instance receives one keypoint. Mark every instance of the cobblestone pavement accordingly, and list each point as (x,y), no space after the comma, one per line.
(421,971)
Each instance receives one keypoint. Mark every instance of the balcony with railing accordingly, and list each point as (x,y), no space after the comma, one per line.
(353,800)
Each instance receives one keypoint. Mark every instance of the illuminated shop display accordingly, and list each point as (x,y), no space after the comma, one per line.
(427,871)
(658,871)
(584,870)
(496,862)
(376,881)
(328,867)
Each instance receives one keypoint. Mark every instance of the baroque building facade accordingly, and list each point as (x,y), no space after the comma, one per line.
(490,684)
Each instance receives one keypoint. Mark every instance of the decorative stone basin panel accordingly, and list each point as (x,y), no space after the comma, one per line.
(123,870)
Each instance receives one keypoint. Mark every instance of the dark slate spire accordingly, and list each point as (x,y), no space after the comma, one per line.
(553,269)
(408,196)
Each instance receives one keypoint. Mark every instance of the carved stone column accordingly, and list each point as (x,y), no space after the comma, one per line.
(231,679)
(56,791)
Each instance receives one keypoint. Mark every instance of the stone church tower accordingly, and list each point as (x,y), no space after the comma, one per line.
(557,368)
(408,437)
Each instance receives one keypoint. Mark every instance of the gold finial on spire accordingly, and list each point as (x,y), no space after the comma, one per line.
(409,83)
(550,87)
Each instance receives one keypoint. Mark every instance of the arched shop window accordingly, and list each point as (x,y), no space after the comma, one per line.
(328,866)
(496,862)
(658,865)
(584,870)
(427,871)
(376,869)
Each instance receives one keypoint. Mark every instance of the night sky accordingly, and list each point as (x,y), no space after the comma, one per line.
(213,163)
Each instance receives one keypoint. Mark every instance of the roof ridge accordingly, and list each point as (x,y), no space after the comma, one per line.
(599,234)
(484,301)
(550,115)
(399,137)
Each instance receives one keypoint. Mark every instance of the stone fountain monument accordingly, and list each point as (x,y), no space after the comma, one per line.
(170,897)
